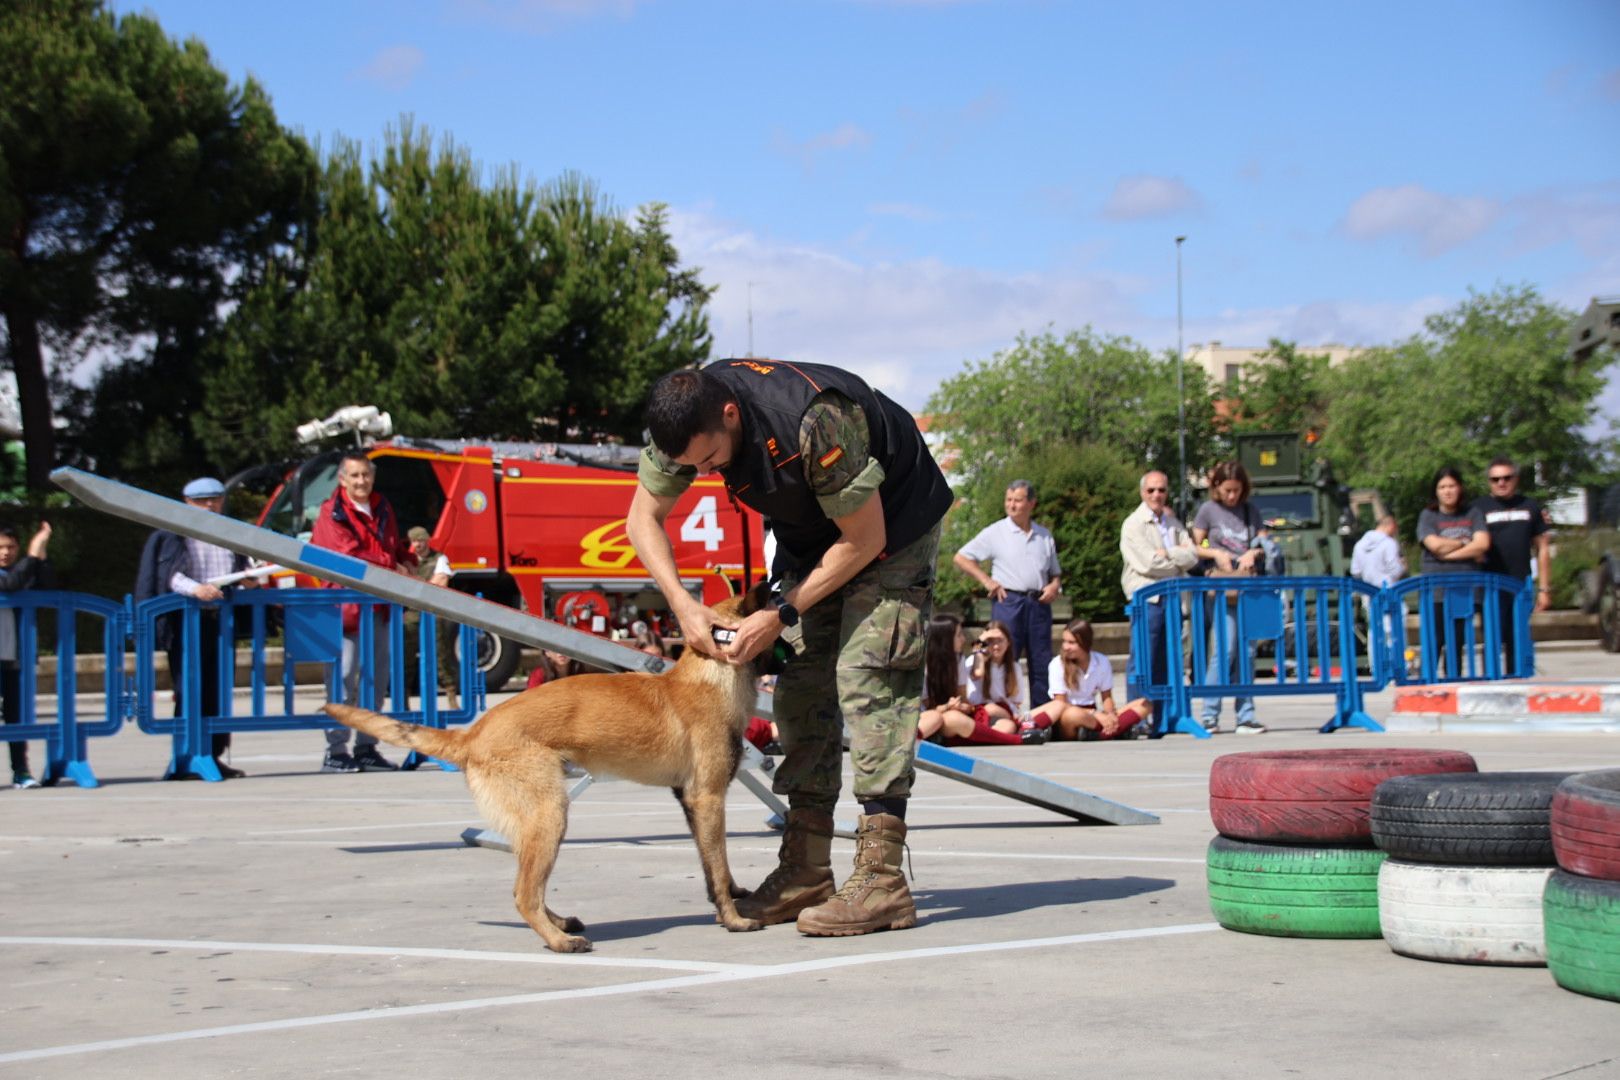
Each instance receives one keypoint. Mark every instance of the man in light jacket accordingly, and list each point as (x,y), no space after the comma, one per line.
(1154,546)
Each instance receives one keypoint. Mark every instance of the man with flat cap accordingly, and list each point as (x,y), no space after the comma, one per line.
(171,563)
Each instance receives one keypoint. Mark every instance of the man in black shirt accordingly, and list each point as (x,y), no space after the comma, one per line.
(1518,529)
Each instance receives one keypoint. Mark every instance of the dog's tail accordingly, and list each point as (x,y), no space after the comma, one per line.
(444,745)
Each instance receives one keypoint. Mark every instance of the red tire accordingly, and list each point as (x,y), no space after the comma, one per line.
(1586,824)
(1312,796)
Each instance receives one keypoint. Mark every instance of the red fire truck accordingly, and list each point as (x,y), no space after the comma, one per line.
(538,526)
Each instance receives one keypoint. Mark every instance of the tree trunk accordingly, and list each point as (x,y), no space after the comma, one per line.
(33,392)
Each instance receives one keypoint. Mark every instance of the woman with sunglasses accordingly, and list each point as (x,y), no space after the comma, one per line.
(1455,540)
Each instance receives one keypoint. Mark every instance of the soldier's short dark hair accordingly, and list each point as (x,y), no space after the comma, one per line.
(10,532)
(683,405)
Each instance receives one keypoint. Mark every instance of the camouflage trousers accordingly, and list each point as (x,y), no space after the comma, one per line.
(860,666)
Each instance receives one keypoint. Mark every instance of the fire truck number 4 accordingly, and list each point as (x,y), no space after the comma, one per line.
(607,548)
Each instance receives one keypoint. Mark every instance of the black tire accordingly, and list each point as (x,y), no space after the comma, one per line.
(1467,819)
(1294,890)
(1581,919)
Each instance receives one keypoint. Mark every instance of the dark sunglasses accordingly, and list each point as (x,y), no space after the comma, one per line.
(1156,491)
(1501,479)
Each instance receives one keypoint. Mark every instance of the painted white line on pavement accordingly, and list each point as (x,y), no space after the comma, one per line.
(735,973)
(543,957)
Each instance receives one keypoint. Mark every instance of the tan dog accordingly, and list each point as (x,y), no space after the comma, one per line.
(682,730)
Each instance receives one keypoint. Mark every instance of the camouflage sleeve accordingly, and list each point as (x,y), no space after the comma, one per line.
(661,476)
(836,445)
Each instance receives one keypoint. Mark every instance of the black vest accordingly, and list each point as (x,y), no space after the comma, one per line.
(767,476)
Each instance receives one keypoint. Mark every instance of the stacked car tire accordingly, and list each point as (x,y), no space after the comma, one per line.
(1295,856)
(1581,904)
(1469,858)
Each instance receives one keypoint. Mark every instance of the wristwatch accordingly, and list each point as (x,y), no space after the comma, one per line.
(784,610)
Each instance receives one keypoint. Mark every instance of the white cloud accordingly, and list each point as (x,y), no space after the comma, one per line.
(1142,196)
(394,68)
(1437,223)
(846,136)
(905,326)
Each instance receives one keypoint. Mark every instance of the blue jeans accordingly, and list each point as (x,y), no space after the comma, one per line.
(1209,710)
(1031,625)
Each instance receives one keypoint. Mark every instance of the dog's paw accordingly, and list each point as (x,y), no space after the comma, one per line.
(741,925)
(570,944)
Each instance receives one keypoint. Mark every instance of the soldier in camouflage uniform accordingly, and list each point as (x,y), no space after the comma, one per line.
(855,502)
(433,569)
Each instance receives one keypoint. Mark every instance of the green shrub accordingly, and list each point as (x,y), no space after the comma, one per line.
(1083,492)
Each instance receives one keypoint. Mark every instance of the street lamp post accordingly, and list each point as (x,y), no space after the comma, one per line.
(1181,398)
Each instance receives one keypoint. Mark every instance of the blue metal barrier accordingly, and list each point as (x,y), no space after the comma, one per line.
(312,623)
(1447,607)
(1309,621)
(65,734)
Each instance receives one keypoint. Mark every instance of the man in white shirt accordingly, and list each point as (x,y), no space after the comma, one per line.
(1023,580)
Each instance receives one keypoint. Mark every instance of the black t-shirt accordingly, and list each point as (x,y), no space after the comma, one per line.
(1514,523)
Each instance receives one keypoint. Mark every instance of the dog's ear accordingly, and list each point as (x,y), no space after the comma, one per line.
(757,598)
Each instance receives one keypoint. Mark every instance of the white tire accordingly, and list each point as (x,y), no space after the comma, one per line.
(1463,914)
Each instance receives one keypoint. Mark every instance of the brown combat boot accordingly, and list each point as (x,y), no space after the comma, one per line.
(876,896)
(803,876)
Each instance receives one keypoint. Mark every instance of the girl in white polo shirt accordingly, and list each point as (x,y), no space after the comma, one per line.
(1082,682)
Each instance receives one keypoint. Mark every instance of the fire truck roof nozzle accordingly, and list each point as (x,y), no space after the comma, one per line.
(361,419)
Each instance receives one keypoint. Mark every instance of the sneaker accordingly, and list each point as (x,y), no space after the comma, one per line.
(366,759)
(1252,727)
(1034,736)
(339,762)
(22,782)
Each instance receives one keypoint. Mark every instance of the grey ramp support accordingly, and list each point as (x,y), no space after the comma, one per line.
(134,504)
(1016,784)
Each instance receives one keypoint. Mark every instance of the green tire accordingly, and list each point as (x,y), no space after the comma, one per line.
(1581,917)
(1294,890)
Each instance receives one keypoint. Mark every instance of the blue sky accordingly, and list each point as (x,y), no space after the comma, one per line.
(909,184)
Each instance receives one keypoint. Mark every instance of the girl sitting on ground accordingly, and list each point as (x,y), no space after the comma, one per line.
(1082,682)
(948,716)
(999,697)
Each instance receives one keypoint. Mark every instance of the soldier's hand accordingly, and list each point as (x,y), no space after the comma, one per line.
(697,626)
(757,633)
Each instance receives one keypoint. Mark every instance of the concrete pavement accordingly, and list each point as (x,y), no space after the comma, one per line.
(299,924)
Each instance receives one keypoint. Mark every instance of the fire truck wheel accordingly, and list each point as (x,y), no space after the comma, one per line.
(1312,796)
(497,658)
(1586,824)
(1468,819)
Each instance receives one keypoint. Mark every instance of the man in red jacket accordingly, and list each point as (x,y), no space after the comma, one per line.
(358,521)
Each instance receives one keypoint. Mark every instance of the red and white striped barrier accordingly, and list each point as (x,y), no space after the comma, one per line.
(1508,706)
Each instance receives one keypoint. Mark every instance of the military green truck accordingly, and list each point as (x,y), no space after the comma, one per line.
(1314,519)
(1597,328)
